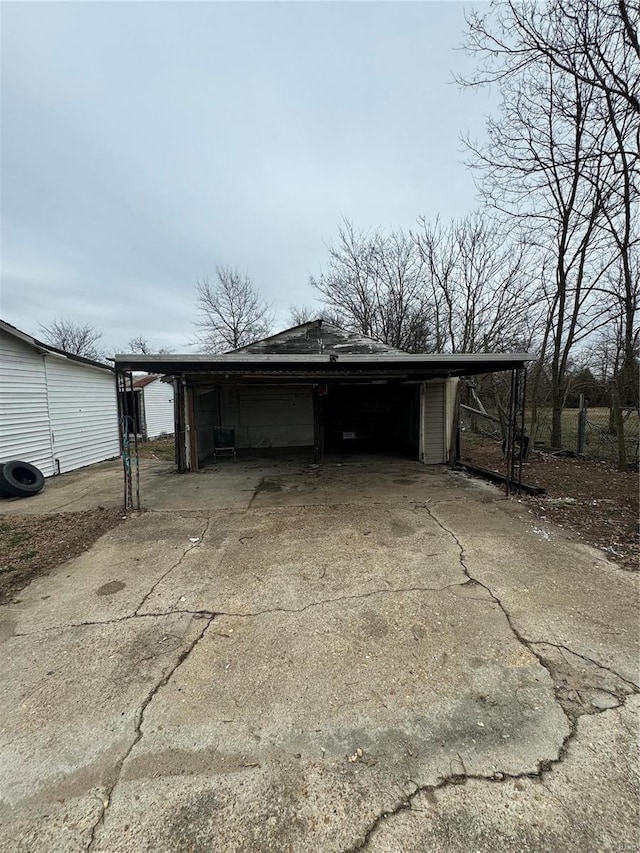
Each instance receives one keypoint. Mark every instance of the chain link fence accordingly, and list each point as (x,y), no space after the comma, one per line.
(597,439)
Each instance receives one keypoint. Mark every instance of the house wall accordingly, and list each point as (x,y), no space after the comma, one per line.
(83,410)
(55,413)
(158,408)
(25,431)
(269,416)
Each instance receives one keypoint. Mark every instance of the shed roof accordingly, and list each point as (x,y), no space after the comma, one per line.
(316,338)
(309,368)
(44,349)
(143,381)
(318,352)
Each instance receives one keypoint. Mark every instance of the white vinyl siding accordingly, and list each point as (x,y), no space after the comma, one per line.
(269,417)
(56,413)
(24,417)
(83,410)
(158,408)
(433,423)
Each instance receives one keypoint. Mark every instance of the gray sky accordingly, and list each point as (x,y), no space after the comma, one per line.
(144,143)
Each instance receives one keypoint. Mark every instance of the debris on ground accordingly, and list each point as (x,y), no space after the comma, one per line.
(591,499)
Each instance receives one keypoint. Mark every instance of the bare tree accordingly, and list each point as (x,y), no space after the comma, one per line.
(300,314)
(479,283)
(462,287)
(232,312)
(141,345)
(374,284)
(73,337)
(559,161)
(595,42)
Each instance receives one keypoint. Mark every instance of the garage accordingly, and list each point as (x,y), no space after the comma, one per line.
(58,411)
(317,390)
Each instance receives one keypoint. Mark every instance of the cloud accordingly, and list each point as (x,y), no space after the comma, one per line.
(142,144)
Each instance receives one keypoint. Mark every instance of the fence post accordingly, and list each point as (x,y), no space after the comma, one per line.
(582,426)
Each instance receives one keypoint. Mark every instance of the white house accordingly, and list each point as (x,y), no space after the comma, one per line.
(57,411)
(154,406)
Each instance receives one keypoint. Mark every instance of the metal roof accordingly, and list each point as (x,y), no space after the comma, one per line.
(313,366)
(143,381)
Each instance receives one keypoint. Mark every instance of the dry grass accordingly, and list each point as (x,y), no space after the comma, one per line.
(158,448)
(31,545)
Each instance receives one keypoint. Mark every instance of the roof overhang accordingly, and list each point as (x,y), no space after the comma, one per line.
(47,349)
(246,367)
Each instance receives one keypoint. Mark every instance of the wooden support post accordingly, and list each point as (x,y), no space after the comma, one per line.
(454,438)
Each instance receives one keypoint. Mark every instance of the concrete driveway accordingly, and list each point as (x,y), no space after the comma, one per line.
(284,657)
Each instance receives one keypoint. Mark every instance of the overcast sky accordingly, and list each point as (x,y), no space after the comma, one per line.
(144,143)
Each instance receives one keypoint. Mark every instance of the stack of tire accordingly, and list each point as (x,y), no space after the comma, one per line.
(20,479)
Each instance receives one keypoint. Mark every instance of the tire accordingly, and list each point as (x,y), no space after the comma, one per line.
(20,479)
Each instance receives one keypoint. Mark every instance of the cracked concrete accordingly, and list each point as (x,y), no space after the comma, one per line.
(588,803)
(373,656)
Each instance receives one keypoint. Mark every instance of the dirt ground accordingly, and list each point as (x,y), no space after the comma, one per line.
(592,500)
(32,545)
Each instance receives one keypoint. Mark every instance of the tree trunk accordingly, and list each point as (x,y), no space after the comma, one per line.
(534,395)
(557,399)
(619,420)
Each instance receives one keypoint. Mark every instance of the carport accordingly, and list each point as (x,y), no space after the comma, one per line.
(320,389)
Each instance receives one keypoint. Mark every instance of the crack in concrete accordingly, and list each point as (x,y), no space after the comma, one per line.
(92,624)
(543,766)
(175,566)
(635,687)
(139,719)
(321,602)
(454,779)
(239,614)
(528,644)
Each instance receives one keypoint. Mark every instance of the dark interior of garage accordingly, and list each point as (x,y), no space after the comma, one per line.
(374,417)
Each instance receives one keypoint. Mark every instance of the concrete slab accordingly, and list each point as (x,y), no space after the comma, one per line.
(555,591)
(277,481)
(108,582)
(588,803)
(86,488)
(69,706)
(291,658)
(289,558)
(366,696)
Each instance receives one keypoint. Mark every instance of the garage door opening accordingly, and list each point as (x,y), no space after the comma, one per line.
(376,417)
